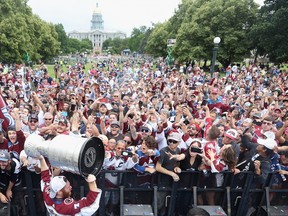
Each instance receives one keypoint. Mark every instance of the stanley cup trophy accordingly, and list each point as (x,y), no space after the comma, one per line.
(82,156)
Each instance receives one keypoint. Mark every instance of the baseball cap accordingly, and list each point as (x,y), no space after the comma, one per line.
(63,120)
(107,105)
(196,126)
(174,136)
(115,123)
(56,184)
(147,126)
(231,133)
(247,104)
(4,155)
(248,120)
(285,99)
(269,135)
(278,109)
(268,143)
(33,116)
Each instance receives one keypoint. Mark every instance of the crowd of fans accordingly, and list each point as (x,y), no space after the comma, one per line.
(151,118)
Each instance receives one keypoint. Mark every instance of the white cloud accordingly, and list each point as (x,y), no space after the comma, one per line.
(121,15)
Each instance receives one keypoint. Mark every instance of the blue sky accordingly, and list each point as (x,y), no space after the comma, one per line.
(121,15)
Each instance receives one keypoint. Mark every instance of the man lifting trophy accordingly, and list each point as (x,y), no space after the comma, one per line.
(72,154)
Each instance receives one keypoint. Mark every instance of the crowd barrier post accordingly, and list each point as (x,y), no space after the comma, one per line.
(30,190)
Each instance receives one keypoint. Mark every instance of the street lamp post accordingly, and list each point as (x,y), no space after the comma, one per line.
(215,50)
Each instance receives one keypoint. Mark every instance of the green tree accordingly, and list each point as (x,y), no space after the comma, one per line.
(22,32)
(269,35)
(62,37)
(85,44)
(231,20)
(138,40)
(157,42)
(116,45)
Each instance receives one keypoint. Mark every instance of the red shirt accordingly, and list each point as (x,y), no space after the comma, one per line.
(86,206)
(18,146)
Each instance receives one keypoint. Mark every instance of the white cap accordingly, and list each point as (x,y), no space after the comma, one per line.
(268,143)
(148,126)
(269,135)
(174,136)
(56,184)
(231,133)
(248,120)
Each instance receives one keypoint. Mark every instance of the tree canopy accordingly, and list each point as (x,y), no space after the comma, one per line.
(241,24)
(269,34)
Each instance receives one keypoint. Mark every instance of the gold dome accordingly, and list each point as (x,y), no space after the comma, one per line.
(97,10)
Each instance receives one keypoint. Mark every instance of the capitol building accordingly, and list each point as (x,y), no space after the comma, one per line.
(97,35)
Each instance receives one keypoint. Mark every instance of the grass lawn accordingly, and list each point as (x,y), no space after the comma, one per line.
(51,68)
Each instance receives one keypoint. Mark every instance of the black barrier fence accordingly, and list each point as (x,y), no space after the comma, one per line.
(220,194)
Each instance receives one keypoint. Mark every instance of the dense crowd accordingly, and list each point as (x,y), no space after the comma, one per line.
(151,118)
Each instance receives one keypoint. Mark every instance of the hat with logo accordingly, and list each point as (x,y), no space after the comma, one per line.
(56,184)
(4,155)
(231,133)
(174,136)
(33,116)
(268,143)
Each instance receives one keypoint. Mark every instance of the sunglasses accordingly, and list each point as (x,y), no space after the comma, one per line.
(114,126)
(49,119)
(128,142)
(145,130)
(33,121)
(122,149)
(172,141)
(267,123)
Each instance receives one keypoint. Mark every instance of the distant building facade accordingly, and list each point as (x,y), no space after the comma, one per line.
(97,35)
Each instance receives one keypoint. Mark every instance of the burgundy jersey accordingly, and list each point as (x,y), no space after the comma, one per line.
(86,206)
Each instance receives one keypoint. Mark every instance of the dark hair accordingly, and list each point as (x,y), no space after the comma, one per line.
(269,152)
(150,142)
(196,211)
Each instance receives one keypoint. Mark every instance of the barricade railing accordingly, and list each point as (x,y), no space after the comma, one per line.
(183,192)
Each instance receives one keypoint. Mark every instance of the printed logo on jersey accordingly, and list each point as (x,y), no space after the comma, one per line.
(68,201)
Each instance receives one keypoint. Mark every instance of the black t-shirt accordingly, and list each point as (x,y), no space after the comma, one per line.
(185,164)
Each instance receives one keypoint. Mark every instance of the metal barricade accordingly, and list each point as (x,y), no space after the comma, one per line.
(234,191)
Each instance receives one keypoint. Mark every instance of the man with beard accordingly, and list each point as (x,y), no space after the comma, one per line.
(57,194)
(115,132)
(32,125)
(191,132)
